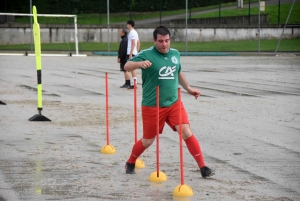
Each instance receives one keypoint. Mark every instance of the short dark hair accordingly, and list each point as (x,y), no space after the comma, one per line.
(161,30)
(131,22)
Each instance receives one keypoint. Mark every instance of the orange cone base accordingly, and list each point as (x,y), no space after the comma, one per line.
(183,191)
(108,149)
(139,163)
(161,177)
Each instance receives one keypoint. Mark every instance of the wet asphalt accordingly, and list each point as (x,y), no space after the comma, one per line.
(247,122)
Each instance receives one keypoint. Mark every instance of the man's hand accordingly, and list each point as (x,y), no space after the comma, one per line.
(145,64)
(119,60)
(195,92)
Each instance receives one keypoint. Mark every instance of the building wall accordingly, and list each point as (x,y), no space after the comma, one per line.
(63,35)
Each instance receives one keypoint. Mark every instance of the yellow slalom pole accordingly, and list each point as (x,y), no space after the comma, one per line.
(38,60)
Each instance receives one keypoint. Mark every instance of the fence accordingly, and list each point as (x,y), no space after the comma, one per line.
(130,9)
(239,20)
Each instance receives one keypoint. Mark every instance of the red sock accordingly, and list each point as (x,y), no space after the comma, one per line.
(194,148)
(137,149)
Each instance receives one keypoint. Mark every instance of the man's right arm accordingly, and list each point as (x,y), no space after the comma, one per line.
(132,48)
(132,65)
(138,45)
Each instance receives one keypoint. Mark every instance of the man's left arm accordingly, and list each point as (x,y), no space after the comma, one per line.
(183,82)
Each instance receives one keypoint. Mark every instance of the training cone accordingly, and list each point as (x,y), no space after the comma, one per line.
(139,163)
(161,178)
(183,191)
(108,149)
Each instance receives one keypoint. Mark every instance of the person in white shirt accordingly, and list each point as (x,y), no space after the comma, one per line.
(133,48)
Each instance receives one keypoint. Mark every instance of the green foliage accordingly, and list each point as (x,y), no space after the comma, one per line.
(272,11)
(101,18)
(100,6)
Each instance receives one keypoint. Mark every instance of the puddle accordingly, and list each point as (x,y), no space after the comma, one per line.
(62,75)
(34,89)
(73,91)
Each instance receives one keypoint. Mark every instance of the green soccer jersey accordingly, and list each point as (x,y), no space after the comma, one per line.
(163,73)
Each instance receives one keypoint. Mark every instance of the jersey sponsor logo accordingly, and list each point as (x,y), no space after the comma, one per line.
(174,60)
(167,72)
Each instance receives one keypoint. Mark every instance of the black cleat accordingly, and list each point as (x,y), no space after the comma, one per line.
(125,86)
(130,87)
(207,172)
(129,167)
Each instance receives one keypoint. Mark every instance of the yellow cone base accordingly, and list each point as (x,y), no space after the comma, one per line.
(183,191)
(139,164)
(108,149)
(161,178)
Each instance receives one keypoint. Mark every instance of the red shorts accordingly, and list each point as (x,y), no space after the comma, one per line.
(166,114)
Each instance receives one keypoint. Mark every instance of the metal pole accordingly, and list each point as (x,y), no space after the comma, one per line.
(69,11)
(31,34)
(100,12)
(249,12)
(186,22)
(287,19)
(259,27)
(76,34)
(108,43)
(160,13)
(279,12)
(130,9)
(190,12)
(219,11)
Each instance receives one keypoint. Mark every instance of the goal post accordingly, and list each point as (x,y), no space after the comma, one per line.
(52,15)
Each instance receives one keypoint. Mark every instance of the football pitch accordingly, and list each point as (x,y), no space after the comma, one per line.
(247,121)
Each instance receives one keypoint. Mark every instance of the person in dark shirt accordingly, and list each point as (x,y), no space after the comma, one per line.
(122,54)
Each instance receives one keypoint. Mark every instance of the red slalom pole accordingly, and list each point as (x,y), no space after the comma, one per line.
(180,139)
(107,149)
(139,163)
(157,176)
(107,123)
(135,112)
(157,130)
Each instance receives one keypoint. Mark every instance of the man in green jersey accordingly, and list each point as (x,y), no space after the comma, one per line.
(161,67)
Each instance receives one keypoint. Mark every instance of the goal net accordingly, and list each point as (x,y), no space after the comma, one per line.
(64,35)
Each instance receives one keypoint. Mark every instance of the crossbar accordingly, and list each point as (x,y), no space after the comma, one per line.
(41,15)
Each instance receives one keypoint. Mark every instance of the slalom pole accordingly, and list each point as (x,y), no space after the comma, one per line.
(139,163)
(157,176)
(38,60)
(181,190)
(106,108)
(157,130)
(135,112)
(180,140)
(107,149)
